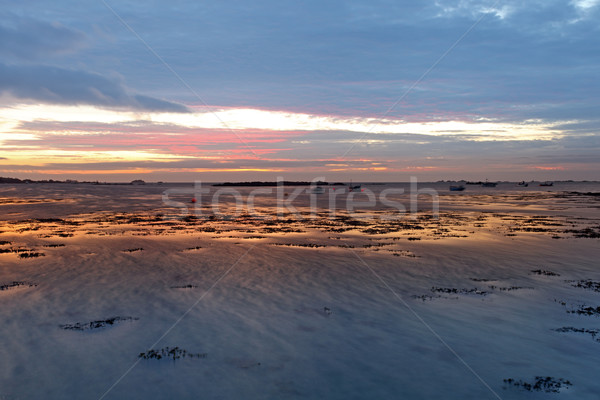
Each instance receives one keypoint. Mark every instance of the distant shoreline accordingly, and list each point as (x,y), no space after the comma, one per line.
(141,182)
(67,181)
(277,183)
(8,180)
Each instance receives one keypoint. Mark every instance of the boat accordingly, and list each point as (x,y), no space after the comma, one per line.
(547,183)
(353,188)
(523,183)
(489,184)
(457,188)
(317,190)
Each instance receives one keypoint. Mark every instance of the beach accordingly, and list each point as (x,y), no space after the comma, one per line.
(124,291)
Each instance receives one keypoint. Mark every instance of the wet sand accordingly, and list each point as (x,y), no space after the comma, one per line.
(499,289)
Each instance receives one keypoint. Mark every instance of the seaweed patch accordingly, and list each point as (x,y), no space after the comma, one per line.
(84,326)
(546,384)
(174,353)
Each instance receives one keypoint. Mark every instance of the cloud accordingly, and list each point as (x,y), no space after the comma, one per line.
(585,5)
(251,120)
(54,85)
(28,39)
(190,164)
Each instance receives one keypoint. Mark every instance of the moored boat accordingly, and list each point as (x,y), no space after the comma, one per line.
(353,188)
(489,184)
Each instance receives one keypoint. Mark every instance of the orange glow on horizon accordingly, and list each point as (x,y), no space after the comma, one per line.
(78,140)
(549,168)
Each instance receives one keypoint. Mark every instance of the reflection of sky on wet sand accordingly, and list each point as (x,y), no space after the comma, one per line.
(300,302)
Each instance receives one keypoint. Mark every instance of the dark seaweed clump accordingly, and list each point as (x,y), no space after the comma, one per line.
(583,310)
(312,245)
(174,353)
(64,235)
(22,252)
(591,332)
(16,284)
(481,280)
(83,326)
(546,384)
(425,297)
(544,272)
(586,284)
(133,250)
(31,255)
(2,251)
(508,288)
(585,233)
(188,286)
(458,291)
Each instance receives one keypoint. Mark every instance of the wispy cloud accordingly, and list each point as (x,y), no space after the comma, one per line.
(32,39)
(53,85)
(35,118)
(585,5)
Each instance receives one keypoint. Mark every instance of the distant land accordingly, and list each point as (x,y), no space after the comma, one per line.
(275,183)
(8,180)
(70,181)
(141,182)
(17,180)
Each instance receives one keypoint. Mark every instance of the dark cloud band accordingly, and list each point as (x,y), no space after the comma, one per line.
(55,85)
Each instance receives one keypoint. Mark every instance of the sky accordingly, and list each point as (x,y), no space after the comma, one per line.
(236,90)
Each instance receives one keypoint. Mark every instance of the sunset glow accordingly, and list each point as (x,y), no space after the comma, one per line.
(38,138)
(93,94)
